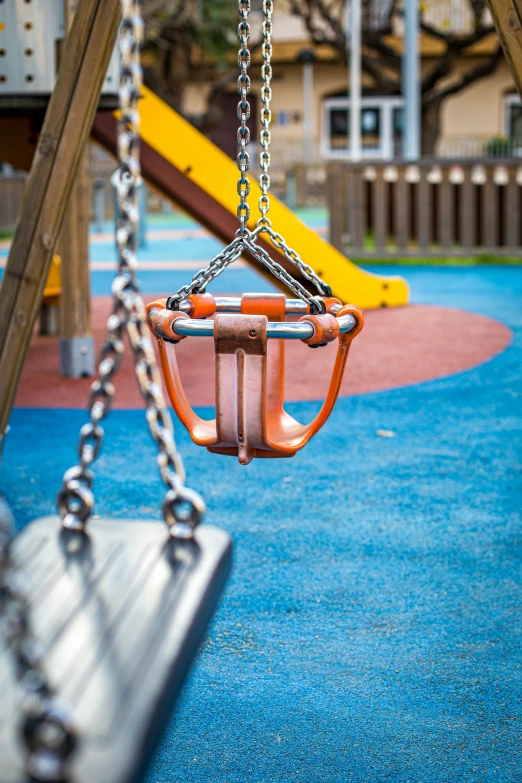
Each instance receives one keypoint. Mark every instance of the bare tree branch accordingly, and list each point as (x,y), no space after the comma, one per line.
(373,68)
(474,74)
(441,69)
(324,20)
(459,42)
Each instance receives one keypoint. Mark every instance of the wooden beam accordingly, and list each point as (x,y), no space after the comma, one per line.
(507,16)
(76,341)
(70,10)
(66,128)
(74,252)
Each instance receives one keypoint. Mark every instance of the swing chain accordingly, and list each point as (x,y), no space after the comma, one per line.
(243,114)
(46,727)
(182,508)
(202,278)
(263,224)
(260,254)
(293,257)
(245,239)
(218,264)
(266,113)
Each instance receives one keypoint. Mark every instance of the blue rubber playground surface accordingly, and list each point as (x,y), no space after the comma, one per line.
(371,630)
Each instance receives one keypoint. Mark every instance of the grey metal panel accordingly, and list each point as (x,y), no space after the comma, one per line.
(28,36)
(112,79)
(121,613)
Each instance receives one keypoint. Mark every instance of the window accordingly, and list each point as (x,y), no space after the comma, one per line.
(339,121)
(371,128)
(398,130)
(513,124)
(381,127)
(339,131)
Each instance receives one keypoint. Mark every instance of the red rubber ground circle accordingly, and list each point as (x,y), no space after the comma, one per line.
(397,347)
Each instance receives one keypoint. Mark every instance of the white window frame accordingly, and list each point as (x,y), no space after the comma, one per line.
(385,103)
(513,99)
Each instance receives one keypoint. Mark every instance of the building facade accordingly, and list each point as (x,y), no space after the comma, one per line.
(311,102)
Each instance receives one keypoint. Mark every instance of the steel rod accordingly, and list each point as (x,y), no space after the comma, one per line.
(280,330)
(232,304)
(355,38)
(411,82)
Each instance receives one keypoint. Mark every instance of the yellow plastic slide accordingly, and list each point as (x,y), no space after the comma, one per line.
(193,157)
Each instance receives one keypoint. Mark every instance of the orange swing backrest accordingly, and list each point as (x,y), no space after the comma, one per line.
(250,417)
(249,378)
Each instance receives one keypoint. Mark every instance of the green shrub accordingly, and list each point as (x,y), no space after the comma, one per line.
(499,147)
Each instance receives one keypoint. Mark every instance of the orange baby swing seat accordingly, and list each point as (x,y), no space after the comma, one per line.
(250,417)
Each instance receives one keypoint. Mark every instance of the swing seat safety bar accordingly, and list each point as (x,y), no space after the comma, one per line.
(250,417)
(276,330)
(232,304)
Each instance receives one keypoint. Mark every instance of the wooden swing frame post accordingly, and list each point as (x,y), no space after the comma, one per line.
(76,340)
(67,125)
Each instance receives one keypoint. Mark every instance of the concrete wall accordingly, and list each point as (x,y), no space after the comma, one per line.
(480,109)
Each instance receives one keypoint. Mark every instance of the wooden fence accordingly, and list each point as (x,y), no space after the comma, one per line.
(430,208)
(11,196)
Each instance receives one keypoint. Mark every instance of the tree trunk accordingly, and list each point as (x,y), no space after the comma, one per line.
(431,116)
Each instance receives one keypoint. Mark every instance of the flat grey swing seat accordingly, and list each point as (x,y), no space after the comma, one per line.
(121,612)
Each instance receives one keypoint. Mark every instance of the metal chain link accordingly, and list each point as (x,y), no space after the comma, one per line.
(182,508)
(294,258)
(202,278)
(263,224)
(260,254)
(266,113)
(243,114)
(46,727)
(230,254)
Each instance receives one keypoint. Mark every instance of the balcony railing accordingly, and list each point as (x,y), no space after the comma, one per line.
(455,16)
(479,146)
